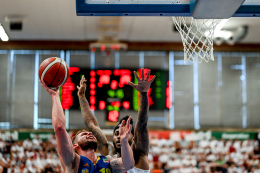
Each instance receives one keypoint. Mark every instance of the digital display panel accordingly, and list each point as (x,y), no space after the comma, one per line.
(107,89)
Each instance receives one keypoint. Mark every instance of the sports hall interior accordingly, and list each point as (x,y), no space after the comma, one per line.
(203,117)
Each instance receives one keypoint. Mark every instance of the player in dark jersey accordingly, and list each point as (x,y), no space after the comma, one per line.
(79,155)
(139,140)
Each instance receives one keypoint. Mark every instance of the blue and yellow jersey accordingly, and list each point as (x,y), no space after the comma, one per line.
(102,165)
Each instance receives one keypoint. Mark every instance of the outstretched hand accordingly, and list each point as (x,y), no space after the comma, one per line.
(143,85)
(125,129)
(50,91)
(82,86)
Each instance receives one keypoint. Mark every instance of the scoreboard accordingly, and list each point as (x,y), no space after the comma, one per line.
(107,89)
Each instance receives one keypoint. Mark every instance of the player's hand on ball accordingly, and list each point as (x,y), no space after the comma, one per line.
(125,129)
(82,86)
(143,84)
(50,91)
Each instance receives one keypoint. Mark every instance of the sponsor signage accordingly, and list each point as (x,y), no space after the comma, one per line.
(199,135)
(235,135)
(7,134)
(172,135)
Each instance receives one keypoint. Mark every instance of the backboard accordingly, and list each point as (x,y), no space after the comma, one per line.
(249,8)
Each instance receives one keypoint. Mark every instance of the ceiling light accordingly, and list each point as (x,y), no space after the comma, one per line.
(223,33)
(221,25)
(3,35)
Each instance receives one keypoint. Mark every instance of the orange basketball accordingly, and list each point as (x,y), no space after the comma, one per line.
(54,72)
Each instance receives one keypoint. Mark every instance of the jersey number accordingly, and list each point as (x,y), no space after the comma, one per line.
(105,171)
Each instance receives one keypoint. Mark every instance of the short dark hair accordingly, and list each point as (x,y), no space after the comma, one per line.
(74,137)
(120,121)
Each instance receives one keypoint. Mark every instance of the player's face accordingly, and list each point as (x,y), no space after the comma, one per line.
(116,139)
(86,136)
(86,140)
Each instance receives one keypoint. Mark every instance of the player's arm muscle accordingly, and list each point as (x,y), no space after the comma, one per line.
(140,145)
(126,162)
(64,144)
(141,140)
(118,165)
(91,122)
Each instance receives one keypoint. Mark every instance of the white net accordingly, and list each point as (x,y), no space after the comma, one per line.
(197,38)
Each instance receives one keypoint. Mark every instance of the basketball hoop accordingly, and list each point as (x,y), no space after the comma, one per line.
(197,38)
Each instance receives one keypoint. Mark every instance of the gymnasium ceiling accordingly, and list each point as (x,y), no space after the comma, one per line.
(57,20)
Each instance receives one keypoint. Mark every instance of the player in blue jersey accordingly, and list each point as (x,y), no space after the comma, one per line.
(138,139)
(80,156)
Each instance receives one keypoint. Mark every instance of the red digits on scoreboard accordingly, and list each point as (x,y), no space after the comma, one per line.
(92,92)
(92,100)
(113,84)
(92,107)
(169,95)
(150,100)
(117,72)
(92,73)
(124,78)
(126,104)
(92,86)
(73,70)
(92,79)
(116,104)
(104,77)
(102,105)
(125,75)
(113,116)
(66,91)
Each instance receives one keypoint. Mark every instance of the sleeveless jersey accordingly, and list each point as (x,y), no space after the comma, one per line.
(135,169)
(86,165)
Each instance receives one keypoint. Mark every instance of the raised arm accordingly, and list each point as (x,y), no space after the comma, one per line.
(91,122)
(126,162)
(141,140)
(64,144)
(141,137)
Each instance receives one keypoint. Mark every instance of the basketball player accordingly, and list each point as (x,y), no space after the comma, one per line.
(79,155)
(139,141)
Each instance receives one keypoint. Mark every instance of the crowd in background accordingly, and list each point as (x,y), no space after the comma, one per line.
(165,156)
(29,156)
(204,156)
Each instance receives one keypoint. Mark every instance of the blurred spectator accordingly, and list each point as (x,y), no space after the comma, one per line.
(213,143)
(52,142)
(204,143)
(40,162)
(23,168)
(154,140)
(233,168)
(237,144)
(162,142)
(33,169)
(48,169)
(13,168)
(220,161)
(2,146)
(9,143)
(57,169)
(27,143)
(36,143)
(224,168)
(3,166)
(165,156)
